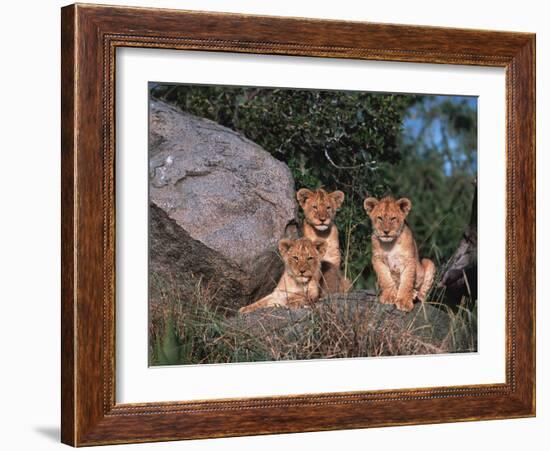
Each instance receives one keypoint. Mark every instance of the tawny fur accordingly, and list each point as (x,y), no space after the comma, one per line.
(402,276)
(299,284)
(320,209)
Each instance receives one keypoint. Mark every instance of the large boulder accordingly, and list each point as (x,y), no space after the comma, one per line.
(225,193)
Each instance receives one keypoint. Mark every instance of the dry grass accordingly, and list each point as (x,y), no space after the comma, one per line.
(194,330)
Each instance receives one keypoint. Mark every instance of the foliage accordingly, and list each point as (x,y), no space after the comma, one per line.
(418,146)
(437,171)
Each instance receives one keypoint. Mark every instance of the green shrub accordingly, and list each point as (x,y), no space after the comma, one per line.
(363,144)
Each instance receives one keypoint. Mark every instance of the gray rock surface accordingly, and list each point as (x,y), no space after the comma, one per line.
(219,205)
(223,189)
(179,262)
(425,330)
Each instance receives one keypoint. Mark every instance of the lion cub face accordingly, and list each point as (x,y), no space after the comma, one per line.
(319,206)
(387,216)
(302,257)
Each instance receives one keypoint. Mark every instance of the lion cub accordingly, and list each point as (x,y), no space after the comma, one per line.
(401,275)
(319,210)
(299,284)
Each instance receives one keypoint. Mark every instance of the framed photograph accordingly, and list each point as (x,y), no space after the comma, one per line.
(279,225)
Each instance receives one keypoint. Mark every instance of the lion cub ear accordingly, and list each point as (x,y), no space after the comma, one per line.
(338,198)
(321,246)
(284,245)
(369,204)
(405,205)
(302,195)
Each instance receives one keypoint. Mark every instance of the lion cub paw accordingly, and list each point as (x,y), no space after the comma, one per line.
(405,303)
(388,296)
(245,309)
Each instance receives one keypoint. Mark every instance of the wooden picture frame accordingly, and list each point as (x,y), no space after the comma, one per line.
(90,36)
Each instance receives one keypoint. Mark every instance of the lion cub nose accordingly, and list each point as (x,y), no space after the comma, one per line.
(386,232)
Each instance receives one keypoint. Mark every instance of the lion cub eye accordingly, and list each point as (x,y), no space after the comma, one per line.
(315,207)
(309,258)
(295,257)
(379,218)
(393,219)
(329,208)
